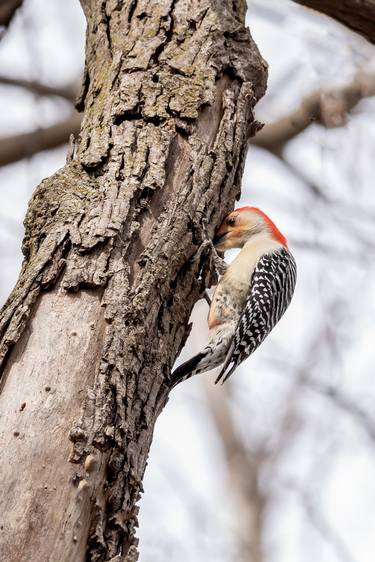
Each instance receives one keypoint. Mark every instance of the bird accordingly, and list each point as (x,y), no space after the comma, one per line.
(250,297)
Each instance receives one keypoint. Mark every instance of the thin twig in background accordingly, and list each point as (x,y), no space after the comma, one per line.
(320,523)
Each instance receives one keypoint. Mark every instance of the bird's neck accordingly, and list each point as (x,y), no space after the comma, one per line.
(261,243)
(243,265)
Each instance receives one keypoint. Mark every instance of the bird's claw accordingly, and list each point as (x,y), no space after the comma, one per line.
(208,249)
(219,263)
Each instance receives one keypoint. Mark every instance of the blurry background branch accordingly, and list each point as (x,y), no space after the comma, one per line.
(25,145)
(358,15)
(319,522)
(7,10)
(243,474)
(328,108)
(68,92)
(338,398)
(17,147)
(342,401)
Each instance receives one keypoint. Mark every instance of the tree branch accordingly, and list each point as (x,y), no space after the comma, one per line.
(243,472)
(7,10)
(358,15)
(26,145)
(69,92)
(328,108)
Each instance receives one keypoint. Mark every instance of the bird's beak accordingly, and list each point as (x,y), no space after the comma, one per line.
(219,238)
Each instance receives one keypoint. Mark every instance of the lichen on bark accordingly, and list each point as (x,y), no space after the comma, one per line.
(168,94)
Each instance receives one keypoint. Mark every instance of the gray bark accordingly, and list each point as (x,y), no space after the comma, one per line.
(89,334)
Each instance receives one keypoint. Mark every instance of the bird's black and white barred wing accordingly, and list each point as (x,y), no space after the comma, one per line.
(271,290)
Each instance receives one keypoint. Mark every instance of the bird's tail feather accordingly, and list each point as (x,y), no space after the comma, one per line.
(187,369)
(224,373)
(206,360)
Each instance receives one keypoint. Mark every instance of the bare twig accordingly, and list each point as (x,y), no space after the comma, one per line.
(343,402)
(321,524)
(332,393)
(312,186)
(358,15)
(26,145)
(69,92)
(328,108)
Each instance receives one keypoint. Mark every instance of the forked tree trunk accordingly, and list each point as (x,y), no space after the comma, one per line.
(101,308)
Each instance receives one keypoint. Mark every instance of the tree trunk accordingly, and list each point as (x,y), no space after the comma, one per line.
(101,308)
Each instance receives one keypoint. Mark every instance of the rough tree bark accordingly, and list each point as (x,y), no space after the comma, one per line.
(101,308)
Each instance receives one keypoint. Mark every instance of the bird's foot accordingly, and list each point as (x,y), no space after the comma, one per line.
(207,247)
(219,262)
(207,255)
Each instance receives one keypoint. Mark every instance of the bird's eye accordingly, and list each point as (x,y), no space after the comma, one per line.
(231,221)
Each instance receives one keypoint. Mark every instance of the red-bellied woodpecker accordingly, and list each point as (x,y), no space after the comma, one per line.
(251,296)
